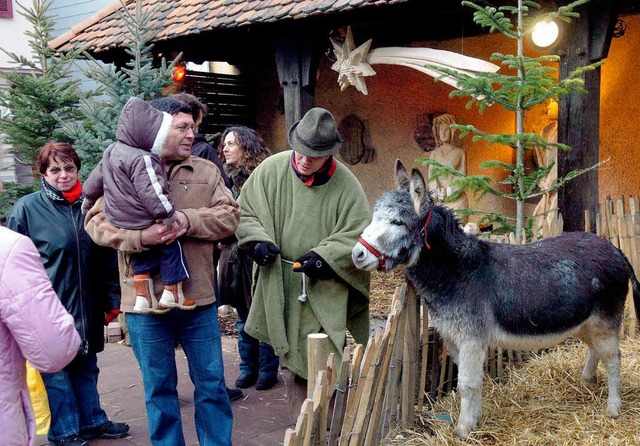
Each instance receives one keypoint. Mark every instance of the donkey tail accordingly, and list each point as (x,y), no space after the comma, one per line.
(636,293)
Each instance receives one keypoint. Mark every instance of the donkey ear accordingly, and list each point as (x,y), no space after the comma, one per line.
(401,176)
(418,190)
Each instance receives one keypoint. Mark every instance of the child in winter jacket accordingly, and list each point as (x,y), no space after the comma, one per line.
(133,180)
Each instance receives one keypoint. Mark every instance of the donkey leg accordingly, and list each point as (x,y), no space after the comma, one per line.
(589,373)
(609,351)
(605,345)
(471,359)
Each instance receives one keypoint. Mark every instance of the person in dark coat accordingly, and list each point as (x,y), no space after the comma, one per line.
(242,150)
(85,278)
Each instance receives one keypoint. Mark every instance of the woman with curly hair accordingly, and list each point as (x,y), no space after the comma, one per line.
(241,150)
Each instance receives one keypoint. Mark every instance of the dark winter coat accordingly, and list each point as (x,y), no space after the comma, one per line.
(84,275)
(203,149)
(234,267)
(131,175)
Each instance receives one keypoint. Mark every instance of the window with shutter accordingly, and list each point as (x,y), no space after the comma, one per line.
(5,8)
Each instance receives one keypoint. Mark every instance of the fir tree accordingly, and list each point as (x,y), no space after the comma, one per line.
(42,92)
(139,77)
(534,82)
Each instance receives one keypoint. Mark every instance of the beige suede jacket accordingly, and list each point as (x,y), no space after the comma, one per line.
(197,190)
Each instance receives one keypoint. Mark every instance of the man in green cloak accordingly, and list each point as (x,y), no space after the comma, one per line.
(302,212)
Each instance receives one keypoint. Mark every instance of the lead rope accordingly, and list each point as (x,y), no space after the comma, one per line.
(303,297)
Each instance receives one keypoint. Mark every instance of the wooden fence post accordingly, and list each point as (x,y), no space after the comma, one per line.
(409,361)
(317,347)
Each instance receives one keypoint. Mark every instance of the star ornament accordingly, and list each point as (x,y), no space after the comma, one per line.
(352,63)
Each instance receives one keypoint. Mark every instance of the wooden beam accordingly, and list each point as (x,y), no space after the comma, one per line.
(297,61)
(579,114)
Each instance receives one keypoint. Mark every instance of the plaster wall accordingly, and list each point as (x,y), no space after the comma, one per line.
(397,95)
(620,115)
(12,37)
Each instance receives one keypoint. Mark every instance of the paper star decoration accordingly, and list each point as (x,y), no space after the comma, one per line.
(351,63)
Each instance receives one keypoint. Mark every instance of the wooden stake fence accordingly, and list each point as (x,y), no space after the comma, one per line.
(620,225)
(377,387)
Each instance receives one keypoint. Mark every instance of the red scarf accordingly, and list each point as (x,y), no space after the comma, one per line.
(75,192)
(322,176)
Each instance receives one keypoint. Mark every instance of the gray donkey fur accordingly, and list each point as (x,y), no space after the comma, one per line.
(514,296)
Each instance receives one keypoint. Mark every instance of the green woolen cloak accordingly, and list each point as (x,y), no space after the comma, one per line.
(328,219)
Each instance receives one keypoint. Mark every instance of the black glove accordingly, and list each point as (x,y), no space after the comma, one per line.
(313,266)
(265,253)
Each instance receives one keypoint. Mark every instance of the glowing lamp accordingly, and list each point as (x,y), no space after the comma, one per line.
(545,33)
(179,72)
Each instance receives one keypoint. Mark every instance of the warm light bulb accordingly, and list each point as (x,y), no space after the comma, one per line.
(545,33)
(179,72)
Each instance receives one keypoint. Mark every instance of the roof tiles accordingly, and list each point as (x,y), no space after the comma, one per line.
(175,18)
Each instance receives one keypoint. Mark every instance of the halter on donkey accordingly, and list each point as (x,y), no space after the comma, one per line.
(514,296)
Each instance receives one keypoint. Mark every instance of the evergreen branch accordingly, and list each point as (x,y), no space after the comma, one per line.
(492,18)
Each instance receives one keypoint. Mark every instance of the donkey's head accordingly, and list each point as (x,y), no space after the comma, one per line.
(395,234)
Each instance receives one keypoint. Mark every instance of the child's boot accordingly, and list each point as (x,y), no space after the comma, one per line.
(146,301)
(172,297)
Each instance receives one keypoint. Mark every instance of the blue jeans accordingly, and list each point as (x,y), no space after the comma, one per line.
(73,397)
(152,338)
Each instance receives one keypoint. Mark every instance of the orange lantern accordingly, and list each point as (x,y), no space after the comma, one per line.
(179,72)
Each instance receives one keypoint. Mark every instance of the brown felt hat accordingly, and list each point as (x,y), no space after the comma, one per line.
(315,134)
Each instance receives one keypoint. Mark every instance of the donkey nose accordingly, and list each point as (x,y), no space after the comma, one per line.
(358,254)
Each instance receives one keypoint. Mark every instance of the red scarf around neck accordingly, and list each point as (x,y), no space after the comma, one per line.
(322,176)
(74,193)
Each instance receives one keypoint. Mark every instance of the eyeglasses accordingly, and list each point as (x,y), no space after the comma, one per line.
(69,168)
(184,127)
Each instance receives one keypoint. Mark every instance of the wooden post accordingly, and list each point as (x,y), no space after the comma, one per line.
(368,369)
(409,361)
(302,424)
(395,368)
(342,391)
(297,60)
(587,220)
(380,385)
(317,347)
(290,437)
(320,402)
(353,397)
(425,354)
(589,38)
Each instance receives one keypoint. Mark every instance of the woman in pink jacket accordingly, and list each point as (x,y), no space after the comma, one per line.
(34,326)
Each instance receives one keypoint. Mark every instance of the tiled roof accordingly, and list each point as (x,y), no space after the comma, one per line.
(177,18)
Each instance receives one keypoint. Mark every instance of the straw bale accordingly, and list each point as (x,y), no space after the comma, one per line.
(541,402)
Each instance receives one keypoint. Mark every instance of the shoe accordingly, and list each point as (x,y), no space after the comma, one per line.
(108,431)
(73,440)
(246,381)
(234,394)
(172,297)
(265,383)
(146,301)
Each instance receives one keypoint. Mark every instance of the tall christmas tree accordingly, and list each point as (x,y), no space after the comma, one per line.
(527,83)
(139,77)
(42,92)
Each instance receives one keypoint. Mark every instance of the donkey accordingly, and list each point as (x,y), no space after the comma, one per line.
(515,296)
